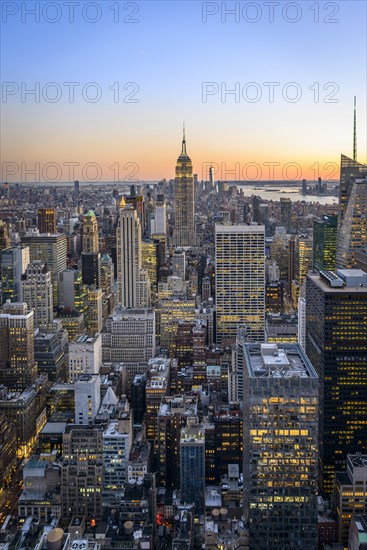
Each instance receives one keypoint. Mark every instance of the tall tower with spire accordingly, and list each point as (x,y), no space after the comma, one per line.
(352,222)
(184,231)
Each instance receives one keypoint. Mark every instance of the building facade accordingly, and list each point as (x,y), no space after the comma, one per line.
(336,343)
(37,293)
(46,220)
(18,369)
(184,230)
(324,243)
(240,280)
(133,287)
(280,446)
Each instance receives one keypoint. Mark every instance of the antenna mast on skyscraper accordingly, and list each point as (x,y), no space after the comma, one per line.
(355,130)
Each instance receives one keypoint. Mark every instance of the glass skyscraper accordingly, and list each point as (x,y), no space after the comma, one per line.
(336,344)
(352,219)
(324,243)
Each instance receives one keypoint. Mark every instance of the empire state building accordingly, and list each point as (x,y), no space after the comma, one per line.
(184,231)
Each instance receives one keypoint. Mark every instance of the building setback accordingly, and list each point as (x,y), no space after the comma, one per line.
(184,231)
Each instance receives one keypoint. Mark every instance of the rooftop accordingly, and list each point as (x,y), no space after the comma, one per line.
(343,281)
(273,361)
(84,339)
(54,427)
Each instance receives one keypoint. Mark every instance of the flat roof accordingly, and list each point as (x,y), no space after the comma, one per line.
(54,428)
(278,361)
(347,289)
(239,228)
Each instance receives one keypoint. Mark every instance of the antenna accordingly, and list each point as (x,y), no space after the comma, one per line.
(183,150)
(355,130)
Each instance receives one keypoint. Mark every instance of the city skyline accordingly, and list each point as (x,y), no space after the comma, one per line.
(183,275)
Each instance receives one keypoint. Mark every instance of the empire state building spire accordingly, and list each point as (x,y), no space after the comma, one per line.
(184,229)
(183,150)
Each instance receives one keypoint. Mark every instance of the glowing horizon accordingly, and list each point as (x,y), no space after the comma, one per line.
(249,93)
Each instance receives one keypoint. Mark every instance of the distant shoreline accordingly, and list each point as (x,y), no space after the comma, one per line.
(264,183)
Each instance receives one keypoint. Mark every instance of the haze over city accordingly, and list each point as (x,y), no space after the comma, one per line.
(167,51)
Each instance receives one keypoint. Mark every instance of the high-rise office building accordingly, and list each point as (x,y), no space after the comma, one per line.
(158,383)
(37,293)
(132,281)
(286,213)
(136,200)
(117,442)
(13,263)
(90,233)
(349,171)
(324,243)
(172,415)
(336,343)
(94,314)
(192,465)
(91,257)
(228,429)
(240,280)
(18,369)
(50,353)
(159,223)
(179,264)
(46,220)
(129,337)
(352,230)
(350,494)
(171,311)
(72,321)
(256,216)
(91,269)
(138,397)
(280,446)
(184,231)
(73,293)
(50,249)
(82,473)
(291,259)
(150,263)
(20,409)
(303,257)
(107,286)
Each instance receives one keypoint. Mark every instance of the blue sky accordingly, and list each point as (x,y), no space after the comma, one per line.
(169,53)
